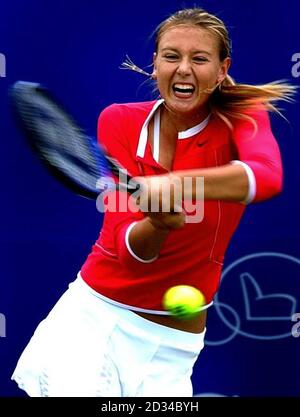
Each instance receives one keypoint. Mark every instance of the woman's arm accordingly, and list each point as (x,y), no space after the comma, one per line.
(228,182)
(256,176)
(146,236)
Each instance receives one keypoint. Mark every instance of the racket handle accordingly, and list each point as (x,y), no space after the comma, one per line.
(129,188)
(118,170)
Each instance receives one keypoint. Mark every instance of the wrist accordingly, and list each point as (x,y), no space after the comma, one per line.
(157,225)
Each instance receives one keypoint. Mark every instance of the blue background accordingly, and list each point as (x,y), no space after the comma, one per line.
(75,48)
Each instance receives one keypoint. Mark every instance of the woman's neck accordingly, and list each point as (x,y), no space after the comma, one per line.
(183,122)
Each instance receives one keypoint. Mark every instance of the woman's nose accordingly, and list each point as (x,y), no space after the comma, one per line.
(184,67)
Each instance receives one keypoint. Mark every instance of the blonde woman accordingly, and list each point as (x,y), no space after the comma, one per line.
(109,334)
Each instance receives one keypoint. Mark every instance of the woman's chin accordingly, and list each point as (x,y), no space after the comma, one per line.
(184,107)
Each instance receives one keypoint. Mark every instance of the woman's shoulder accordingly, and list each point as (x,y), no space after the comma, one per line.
(256,114)
(124,109)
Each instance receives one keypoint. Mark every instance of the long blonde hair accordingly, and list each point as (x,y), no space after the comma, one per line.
(230,99)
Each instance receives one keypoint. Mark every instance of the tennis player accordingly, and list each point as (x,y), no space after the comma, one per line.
(109,335)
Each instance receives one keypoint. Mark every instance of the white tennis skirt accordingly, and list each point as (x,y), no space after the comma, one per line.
(87,347)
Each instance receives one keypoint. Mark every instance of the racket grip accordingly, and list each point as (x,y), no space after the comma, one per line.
(129,188)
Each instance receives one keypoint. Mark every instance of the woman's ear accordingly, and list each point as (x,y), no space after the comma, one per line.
(153,75)
(223,71)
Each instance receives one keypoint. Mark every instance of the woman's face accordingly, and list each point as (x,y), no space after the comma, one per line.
(186,63)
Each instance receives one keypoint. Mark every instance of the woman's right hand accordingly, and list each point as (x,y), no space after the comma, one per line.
(167,221)
(166,209)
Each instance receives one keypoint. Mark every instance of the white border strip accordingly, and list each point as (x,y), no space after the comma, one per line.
(251,181)
(144,132)
(144,261)
(129,307)
(156,135)
(185,134)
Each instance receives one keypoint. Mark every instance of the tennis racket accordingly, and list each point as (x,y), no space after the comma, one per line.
(73,157)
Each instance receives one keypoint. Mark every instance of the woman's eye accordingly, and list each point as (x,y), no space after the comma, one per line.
(174,57)
(171,57)
(200,59)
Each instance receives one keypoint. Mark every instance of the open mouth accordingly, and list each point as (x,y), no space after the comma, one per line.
(183,90)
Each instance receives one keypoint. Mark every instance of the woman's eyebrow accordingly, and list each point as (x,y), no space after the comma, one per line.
(202,51)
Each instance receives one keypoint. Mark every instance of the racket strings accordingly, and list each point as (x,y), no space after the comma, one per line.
(61,142)
(71,155)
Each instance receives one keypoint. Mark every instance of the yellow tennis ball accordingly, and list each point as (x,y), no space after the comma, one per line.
(183,301)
